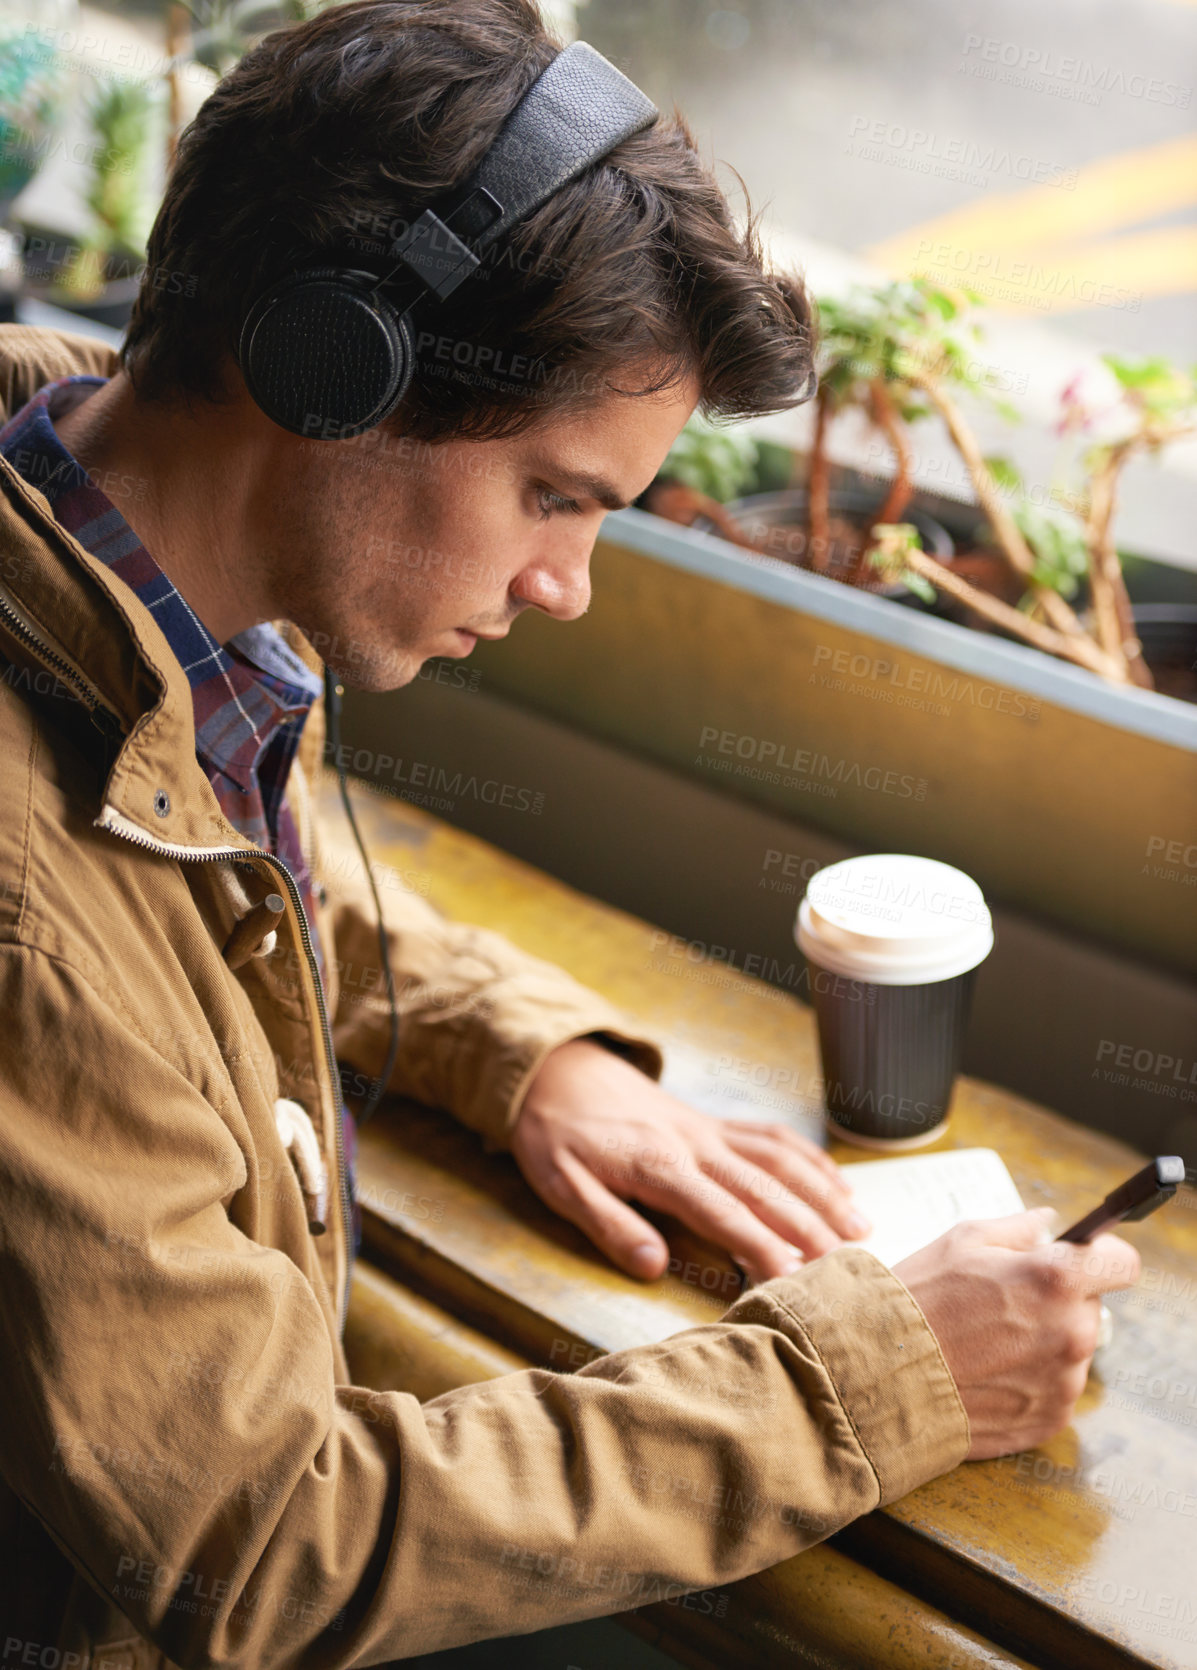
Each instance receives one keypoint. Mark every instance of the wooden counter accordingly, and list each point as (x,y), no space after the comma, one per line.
(1078,1555)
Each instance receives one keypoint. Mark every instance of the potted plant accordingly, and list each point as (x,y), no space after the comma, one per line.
(99,275)
(901,352)
(1047,574)
(1051,550)
(217,34)
(32,91)
(1154,405)
(734,484)
(817,526)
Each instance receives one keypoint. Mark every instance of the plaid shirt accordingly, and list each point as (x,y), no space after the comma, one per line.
(251,696)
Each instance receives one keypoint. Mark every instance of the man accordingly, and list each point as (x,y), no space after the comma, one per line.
(189,1475)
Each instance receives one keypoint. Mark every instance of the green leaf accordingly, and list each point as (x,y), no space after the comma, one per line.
(718,462)
(919,585)
(1057,542)
(774,467)
(1004,473)
(1138,373)
(903,333)
(1155,387)
(887,556)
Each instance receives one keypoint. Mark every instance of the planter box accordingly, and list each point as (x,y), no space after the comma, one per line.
(1062,795)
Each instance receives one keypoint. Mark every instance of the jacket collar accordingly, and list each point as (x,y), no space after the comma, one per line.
(106,642)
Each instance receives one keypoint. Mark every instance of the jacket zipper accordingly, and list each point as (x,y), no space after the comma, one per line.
(115,822)
(102,716)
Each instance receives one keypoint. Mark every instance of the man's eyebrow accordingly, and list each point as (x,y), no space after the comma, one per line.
(585,485)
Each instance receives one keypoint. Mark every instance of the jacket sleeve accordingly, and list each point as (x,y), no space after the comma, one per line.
(478,1015)
(174,1421)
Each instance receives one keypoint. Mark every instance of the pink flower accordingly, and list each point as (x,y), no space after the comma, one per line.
(1074,414)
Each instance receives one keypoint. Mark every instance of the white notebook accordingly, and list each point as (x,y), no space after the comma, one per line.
(913,1200)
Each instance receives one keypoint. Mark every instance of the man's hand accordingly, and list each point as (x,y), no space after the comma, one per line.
(595,1132)
(1016,1315)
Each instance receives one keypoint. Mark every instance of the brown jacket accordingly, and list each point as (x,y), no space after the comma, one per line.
(187,1469)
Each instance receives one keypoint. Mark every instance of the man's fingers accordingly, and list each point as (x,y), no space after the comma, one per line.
(802,1179)
(1107,1264)
(767,1195)
(1018,1231)
(1125,1264)
(567,1186)
(714,1212)
(792,1141)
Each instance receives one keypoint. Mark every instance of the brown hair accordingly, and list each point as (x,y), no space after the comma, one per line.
(329,136)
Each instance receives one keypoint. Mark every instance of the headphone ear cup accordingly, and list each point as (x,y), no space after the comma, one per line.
(325,355)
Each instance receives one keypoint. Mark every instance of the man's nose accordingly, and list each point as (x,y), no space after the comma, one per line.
(561,590)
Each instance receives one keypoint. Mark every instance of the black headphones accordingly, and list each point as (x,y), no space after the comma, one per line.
(326,353)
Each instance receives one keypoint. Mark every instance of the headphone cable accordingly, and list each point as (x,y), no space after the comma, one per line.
(332,705)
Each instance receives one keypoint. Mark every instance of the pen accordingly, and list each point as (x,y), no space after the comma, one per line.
(1133,1199)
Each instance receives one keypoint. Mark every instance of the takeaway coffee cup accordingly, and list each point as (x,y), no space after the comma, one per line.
(892,944)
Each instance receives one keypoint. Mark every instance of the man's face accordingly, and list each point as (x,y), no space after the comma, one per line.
(410,551)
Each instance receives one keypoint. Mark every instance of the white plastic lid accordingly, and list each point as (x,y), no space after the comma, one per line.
(894,920)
